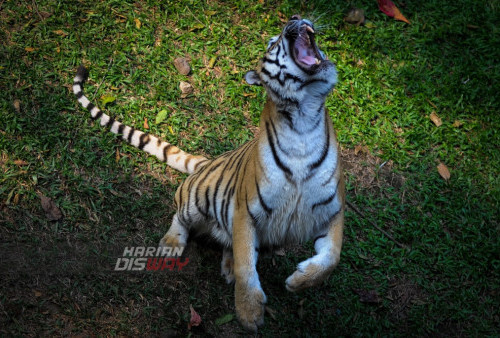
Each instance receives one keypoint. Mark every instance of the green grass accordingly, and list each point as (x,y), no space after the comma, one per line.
(55,274)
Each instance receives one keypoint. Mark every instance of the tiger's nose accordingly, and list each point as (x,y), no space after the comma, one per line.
(295,17)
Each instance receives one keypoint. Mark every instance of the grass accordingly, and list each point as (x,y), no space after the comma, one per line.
(56,276)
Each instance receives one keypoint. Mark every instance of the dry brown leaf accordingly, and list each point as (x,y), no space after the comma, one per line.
(138,23)
(195,318)
(388,7)
(52,212)
(146,125)
(60,32)
(457,124)
(37,293)
(182,66)
(355,16)
(117,157)
(436,119)
(443,171)
(20,162)
(186,88)
(17,105)
(29,49)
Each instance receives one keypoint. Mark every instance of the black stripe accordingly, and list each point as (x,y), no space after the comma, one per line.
(275,155)
(217,187)
(330,177)
(318,237)
(110,122)
(97,115)
(267,60)
(197,201)
(326,201)
(308,82)
(80,83)
(197,164)
(79,94)
(287,153)
(130,134)
(294,78)
(261,200)
(324,153)
(143,140)
(252,216)
(120,129)
(286,114)
(90,106)
(207,200)
(165,150)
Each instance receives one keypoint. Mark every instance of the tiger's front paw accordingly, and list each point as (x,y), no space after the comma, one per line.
(250,306)
(307,275)
(171,244)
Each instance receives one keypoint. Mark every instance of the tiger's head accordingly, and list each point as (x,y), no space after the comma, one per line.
(294,69)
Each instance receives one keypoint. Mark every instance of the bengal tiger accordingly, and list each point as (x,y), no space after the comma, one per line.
(285,186)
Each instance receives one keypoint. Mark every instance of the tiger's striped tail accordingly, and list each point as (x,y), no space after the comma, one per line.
(164,151)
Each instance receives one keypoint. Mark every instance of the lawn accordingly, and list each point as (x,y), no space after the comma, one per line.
(421,252)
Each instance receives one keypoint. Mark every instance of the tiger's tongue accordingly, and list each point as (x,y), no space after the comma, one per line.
(306,56)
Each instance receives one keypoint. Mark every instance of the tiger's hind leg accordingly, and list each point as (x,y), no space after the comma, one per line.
(227,265)
(176,236)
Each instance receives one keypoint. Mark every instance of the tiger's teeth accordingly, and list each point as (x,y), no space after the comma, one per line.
(309,29)
(317,61)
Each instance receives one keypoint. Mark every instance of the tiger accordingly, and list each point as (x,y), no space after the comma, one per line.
(285,186)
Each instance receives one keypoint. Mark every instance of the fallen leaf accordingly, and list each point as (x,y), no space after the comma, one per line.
(443,171)
(360,63)
(369,24)
(171,130)
(137,23)
(17,105)
(436,119)
(457,124)
(29,49)
(224,319)
(52,212)
(20,162)
(211,63)
(105,99)
(195,318)
(197,26)
(210,13)
(160,117)
(117,157)
(146,125)
(388,8)
(37,293)
(60,32)
(185,88)
(182,65)
(368,296)
(355,16)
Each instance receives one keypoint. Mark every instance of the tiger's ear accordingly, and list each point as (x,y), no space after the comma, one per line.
(252,78)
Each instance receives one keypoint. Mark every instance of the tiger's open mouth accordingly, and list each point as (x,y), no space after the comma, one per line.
(305,51)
